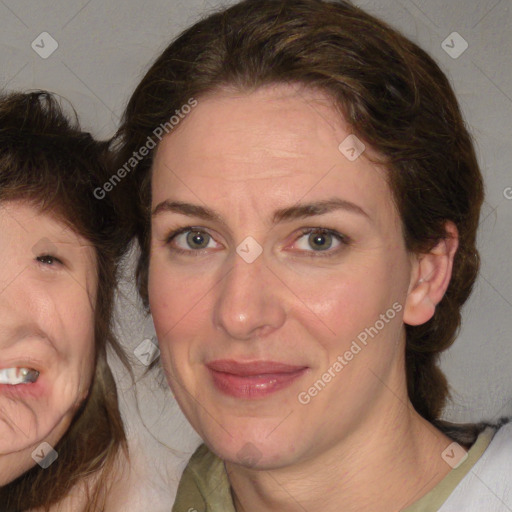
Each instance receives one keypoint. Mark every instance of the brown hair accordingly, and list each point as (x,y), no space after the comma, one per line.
(47,161)
(393,95)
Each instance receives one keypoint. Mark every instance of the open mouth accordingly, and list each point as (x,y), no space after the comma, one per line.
(15,376)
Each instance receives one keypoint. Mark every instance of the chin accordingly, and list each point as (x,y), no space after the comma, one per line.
(255,449)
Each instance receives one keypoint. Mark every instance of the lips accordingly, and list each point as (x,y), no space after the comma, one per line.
(17,383)
(253,368)
(251,380)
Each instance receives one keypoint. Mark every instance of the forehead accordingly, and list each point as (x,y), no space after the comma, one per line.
(22,220)
(274,145)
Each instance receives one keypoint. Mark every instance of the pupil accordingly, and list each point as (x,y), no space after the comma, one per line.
(48,260)
(320,241)
(197,240)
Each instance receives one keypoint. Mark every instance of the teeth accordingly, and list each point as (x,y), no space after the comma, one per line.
(14,376)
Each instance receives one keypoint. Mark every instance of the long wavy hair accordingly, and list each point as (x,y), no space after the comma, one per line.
(392,94)
(47,161)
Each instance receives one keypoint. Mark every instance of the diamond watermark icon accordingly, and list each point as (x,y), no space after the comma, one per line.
(248,455)
(352,148)
(44,45)
(44,247)
(45,455)
(249,250)
(454,45)
(147,351)
(454,455)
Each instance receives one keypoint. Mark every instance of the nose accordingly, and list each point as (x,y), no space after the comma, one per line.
(10,313)
(249,301)
(20,308)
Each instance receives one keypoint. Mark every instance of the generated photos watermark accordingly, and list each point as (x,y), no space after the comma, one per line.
(304,397)
(137,156)
(44,455)
(147,351)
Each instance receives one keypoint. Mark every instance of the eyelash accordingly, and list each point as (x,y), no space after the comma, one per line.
(46,256)
(344,241)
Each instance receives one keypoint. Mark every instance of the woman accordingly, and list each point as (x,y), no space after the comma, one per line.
(61,433)
(307,234)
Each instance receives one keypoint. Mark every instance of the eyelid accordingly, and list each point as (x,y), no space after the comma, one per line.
(176,232)
(48,255)
(173,233)
(342,239)
(192,229)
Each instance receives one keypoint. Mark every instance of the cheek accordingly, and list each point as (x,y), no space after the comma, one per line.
(343,298)
(76,341)
(181,305)
(347,302)
(176,297)
(162,298)
(168,299)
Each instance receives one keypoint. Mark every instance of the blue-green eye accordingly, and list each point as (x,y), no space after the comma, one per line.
(190,239)
(320,240)
(193,241)
(197,239)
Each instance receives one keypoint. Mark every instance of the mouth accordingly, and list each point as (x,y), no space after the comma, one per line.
(15,376)
(26,372)
(253,380)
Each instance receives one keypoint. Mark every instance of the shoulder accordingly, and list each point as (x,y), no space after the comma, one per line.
(488,486)
(204,477)
(203,460)
(202,469)
(499,452)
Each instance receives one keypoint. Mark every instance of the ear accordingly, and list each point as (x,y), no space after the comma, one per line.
(430,277)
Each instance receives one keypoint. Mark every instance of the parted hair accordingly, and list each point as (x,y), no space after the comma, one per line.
(392,94)
(48,162)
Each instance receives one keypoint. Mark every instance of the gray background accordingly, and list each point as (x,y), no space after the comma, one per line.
(104,47)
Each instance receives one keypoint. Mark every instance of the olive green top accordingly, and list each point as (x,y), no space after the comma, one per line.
(204,485)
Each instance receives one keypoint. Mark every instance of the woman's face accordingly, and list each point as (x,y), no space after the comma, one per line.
(278,276)
(48,283)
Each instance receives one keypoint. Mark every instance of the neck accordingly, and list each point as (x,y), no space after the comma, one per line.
(366,470)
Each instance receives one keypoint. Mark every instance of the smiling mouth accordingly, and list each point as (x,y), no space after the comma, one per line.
(15,376)
(253,380)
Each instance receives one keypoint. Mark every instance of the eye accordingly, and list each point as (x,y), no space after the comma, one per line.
(190,240)
(49,260)
(321,240)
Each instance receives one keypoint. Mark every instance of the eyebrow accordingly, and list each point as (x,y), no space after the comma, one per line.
(298,211)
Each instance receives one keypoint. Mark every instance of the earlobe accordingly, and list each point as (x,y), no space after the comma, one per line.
(430,278)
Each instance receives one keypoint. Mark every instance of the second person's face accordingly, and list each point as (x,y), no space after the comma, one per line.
(271,253)
(48,283)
